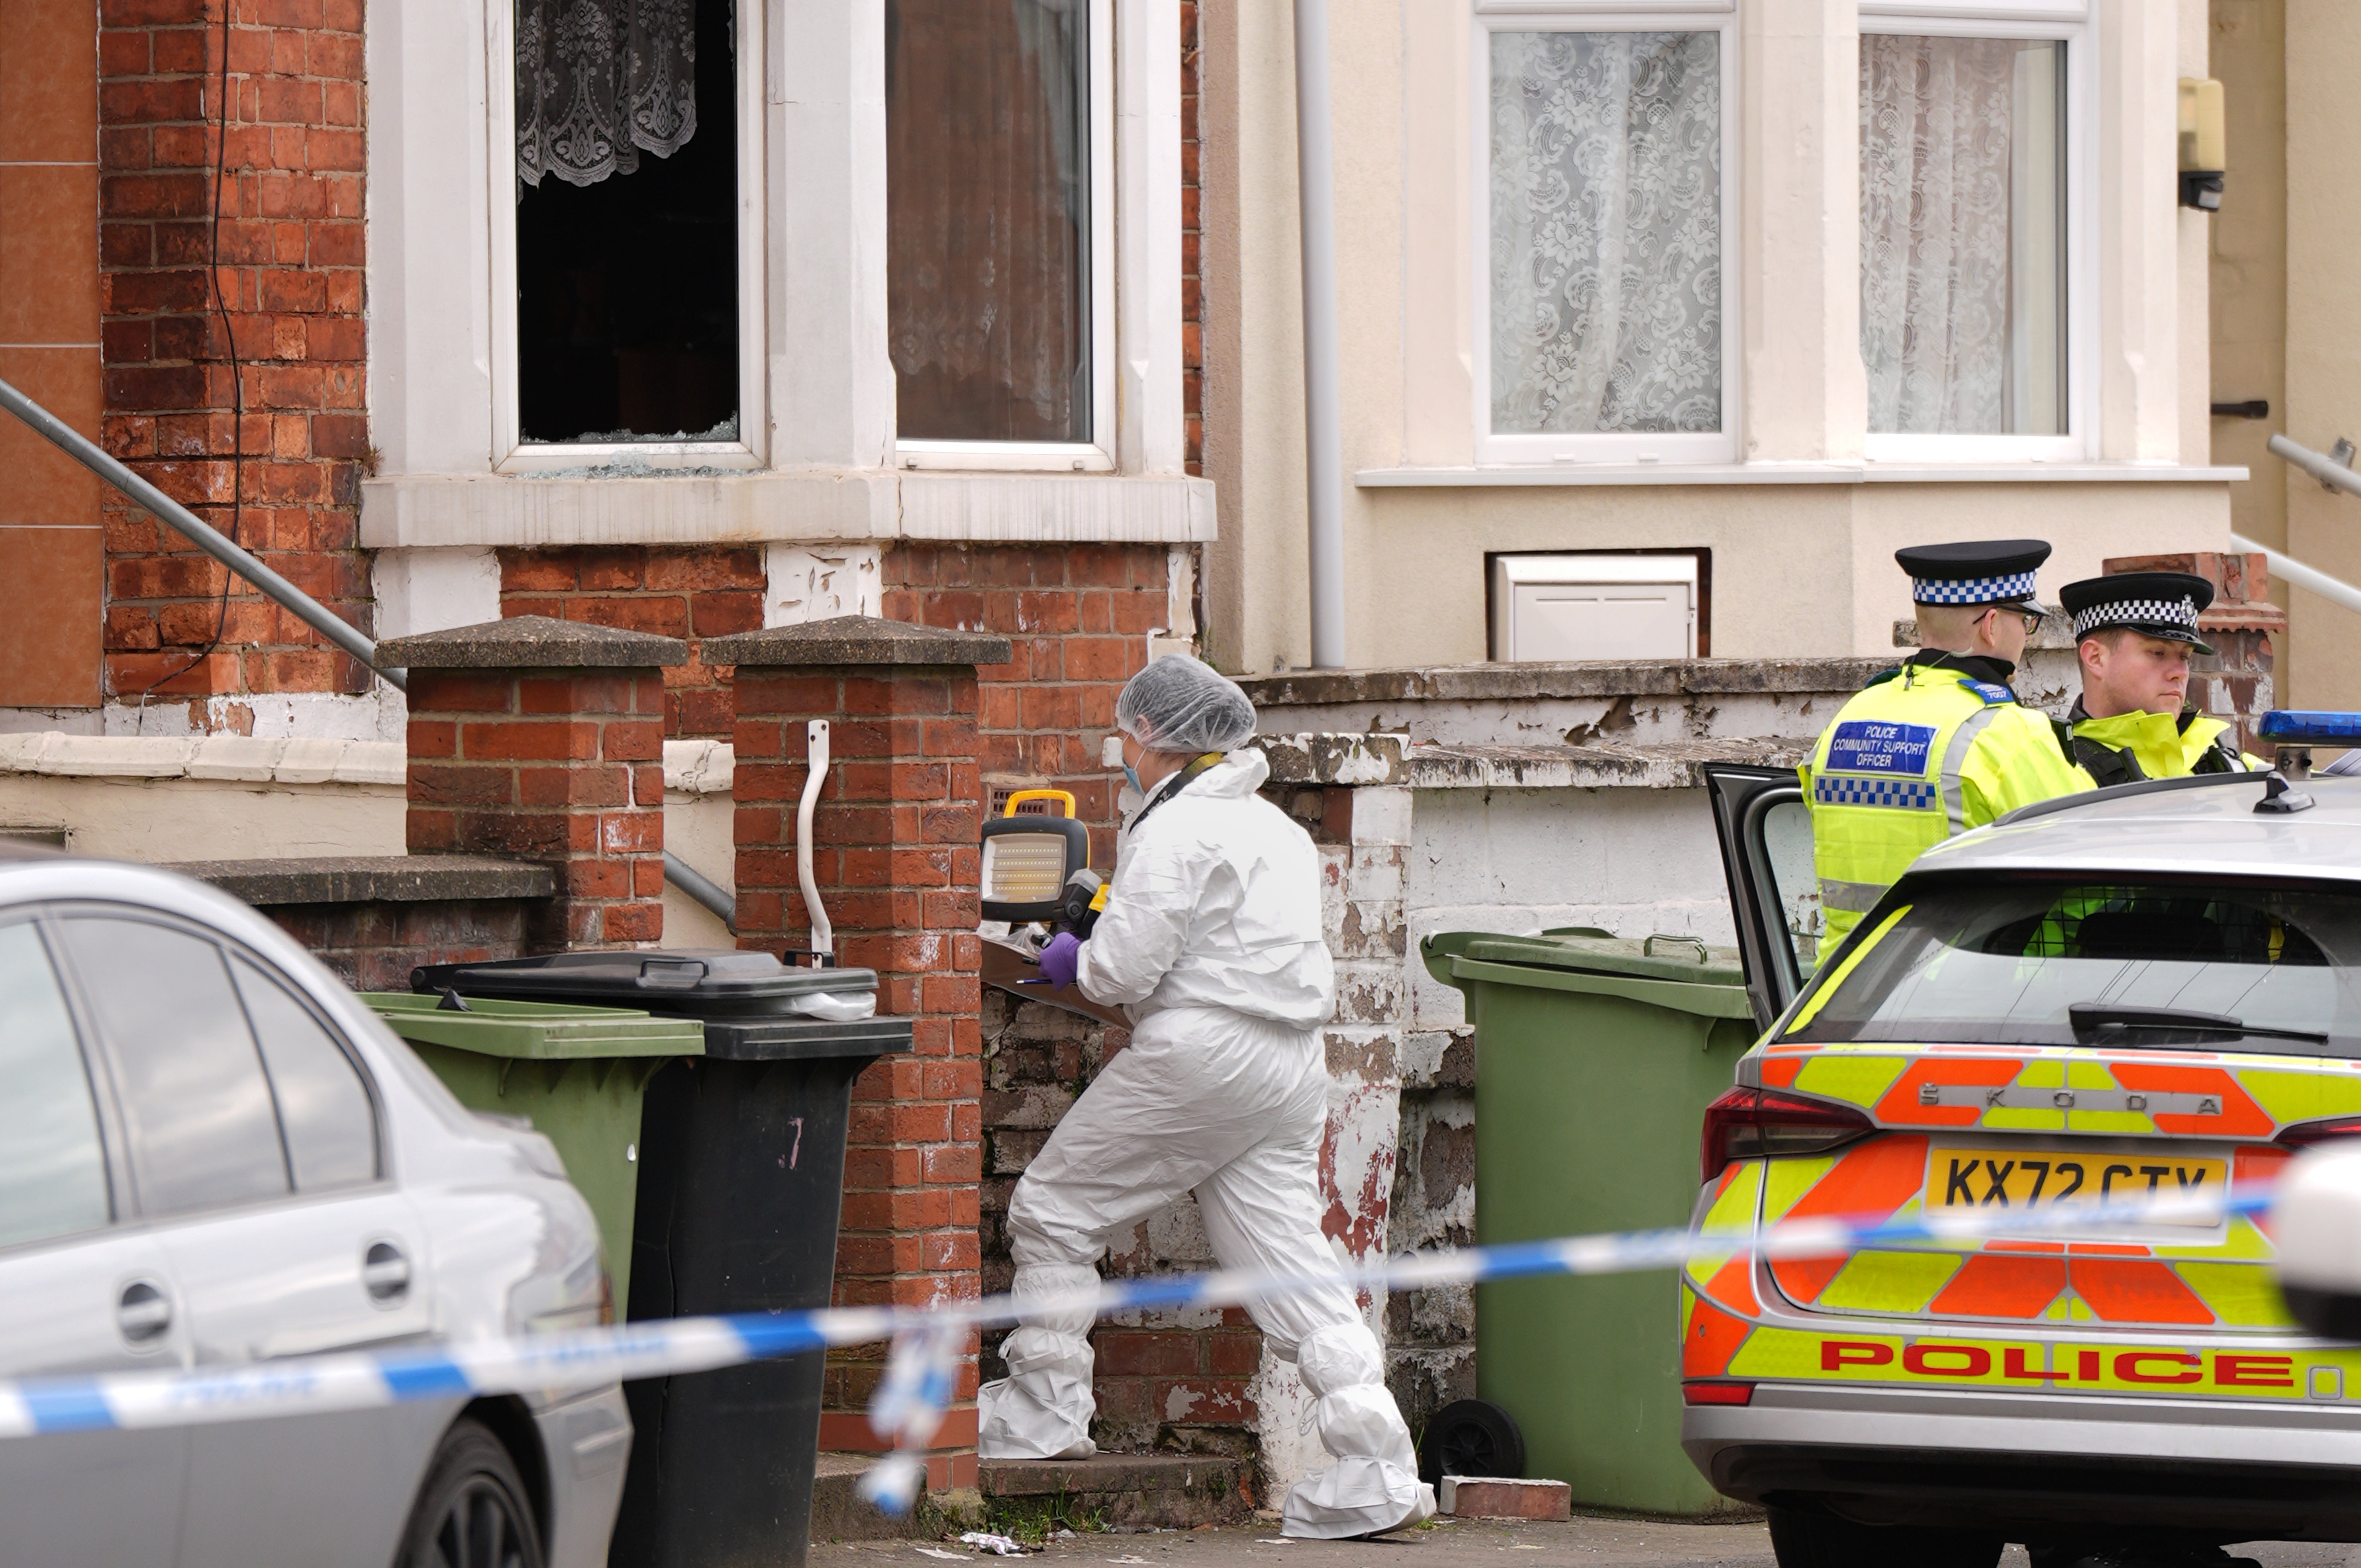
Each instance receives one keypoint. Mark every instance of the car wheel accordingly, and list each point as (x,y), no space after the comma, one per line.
(1803,1539)
(1471,1437)
(471,1510)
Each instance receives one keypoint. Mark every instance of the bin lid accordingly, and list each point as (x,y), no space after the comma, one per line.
(1684,958)
(804,1039)
(535,1030)
(697,982)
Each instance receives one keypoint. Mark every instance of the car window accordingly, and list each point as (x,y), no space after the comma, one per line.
(52,1167)
(323,1106)
(2155,963)
(196,1108)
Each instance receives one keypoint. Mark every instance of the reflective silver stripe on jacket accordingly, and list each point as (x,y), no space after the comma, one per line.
(1955,757)
(1853,897)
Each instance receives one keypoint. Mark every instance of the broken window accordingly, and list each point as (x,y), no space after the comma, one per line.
(627,221)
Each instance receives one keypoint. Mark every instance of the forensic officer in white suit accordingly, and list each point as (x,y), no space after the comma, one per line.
(1210,942)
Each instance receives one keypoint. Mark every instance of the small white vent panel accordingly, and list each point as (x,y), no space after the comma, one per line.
(1547,608)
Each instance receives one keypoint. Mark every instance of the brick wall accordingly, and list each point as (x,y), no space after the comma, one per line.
(523,752)
(291,278)
(374,946)
(896,859)
(1078,617)
(689,594)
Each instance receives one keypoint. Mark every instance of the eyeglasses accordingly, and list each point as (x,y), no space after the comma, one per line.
(2032,617)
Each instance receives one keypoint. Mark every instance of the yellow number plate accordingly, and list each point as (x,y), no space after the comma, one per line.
(2054,1179)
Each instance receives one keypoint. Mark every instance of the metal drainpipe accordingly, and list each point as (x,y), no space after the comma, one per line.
(1324,429)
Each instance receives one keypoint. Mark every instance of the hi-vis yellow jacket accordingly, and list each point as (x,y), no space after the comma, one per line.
(2133,746)
(1923,752)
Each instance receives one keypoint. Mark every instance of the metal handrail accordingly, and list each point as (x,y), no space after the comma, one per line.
(197,532)
(699,887)
(2319,465)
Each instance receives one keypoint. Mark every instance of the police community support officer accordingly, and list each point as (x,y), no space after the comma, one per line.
(1939,745)
(2133,635)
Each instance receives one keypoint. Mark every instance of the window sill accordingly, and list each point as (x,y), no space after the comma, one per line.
(417,510)
(1488,476)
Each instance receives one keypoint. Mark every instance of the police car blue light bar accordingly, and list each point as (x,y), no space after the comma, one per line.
(2309,727)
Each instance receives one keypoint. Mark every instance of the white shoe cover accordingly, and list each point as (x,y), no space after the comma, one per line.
(1042,1410)
(1373,1487)
(1356,1498)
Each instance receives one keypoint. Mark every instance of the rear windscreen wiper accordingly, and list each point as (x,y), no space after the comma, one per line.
(2101,1017)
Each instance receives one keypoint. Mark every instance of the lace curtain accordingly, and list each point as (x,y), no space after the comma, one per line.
(601,81)
(1950,332)
(1606,176)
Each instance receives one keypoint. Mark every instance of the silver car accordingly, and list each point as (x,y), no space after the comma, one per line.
(2151,991)
(215,1155)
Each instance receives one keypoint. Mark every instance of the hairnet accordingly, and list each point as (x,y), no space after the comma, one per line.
(1180,704)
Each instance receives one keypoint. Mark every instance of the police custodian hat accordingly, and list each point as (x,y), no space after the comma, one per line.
(1982,571)
(2154,604)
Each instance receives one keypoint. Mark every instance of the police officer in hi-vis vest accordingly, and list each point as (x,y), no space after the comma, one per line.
(2133,635)
(1939,745)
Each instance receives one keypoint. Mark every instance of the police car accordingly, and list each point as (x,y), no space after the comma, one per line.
(2148,992)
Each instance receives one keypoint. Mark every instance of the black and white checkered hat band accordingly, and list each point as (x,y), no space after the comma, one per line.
(2179,612)
(1972,590)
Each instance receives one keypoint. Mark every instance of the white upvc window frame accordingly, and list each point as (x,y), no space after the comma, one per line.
(1670,448)
(2075,24)
(510,453)
(1100,453)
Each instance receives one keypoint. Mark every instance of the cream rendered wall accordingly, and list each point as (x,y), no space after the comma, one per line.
(1799,568)
(2250,276)
(2324,340)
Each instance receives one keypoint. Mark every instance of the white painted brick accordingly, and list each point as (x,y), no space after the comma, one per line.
(1381,815)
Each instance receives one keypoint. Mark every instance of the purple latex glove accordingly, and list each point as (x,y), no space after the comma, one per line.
(1060,959)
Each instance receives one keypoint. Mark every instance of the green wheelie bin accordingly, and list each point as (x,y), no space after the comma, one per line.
(1595,1062)
(575,1073)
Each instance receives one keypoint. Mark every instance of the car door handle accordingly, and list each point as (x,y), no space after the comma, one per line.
(385,1273)
(143,1312)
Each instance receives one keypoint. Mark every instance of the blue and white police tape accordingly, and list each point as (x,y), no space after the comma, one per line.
(928,1340)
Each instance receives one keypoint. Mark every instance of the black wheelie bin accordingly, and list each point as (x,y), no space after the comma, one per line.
(741,1176)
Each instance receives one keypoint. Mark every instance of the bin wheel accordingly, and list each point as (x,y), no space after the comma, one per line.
(471,1510)
(1805,1539)
(1471,1437)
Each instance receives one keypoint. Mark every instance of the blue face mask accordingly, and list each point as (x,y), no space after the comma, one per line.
(1131,777)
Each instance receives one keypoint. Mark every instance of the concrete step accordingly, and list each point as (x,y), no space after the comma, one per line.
(1169,1491)
(839,1513)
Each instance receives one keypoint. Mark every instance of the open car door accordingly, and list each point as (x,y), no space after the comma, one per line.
(1774,895)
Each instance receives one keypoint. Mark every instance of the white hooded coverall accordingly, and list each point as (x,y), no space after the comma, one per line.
(1210,941)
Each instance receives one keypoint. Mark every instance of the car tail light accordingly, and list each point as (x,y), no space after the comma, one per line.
(1750,1123)
(2303,1135)
(1717,1393)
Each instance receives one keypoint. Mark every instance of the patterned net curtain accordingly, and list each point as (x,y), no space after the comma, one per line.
(600,81)
(1960,235)
(1606,176)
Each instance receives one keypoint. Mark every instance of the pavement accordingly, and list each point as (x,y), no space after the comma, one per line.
(1452,1543)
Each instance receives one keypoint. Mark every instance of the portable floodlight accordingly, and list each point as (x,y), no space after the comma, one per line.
(1028,857)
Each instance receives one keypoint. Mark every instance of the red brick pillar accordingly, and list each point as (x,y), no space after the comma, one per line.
(896,857)
(2235,685)
(542,740)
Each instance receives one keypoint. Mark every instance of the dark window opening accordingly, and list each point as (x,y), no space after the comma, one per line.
(988,226)
(627,286)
